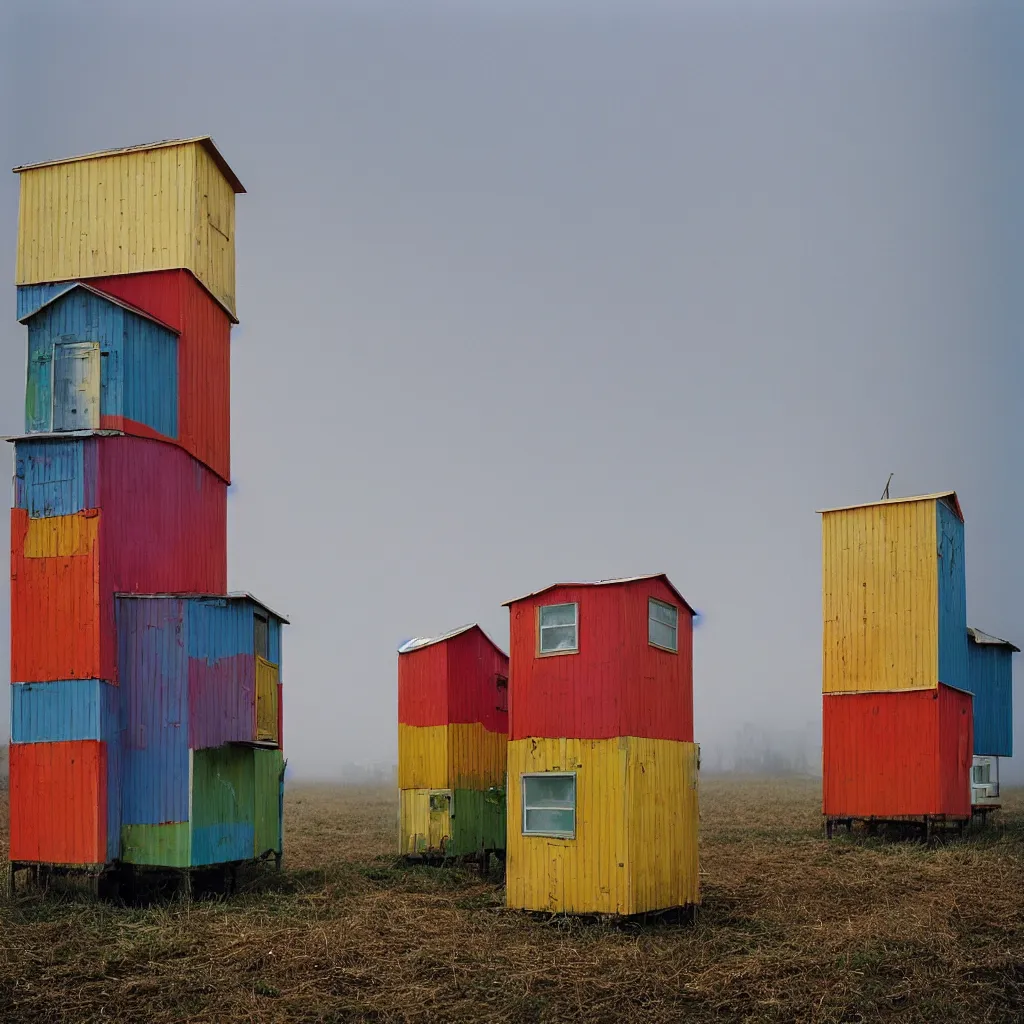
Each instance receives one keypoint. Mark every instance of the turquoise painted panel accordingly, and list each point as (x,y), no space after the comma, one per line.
(952,625)
(222,843)
(991,682)
(150,371)
(54,712)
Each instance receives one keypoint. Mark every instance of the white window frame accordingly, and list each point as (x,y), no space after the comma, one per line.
(575,803)
(541,627)
(651,601)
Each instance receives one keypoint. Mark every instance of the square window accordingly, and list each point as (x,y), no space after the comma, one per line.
(662,625)
(559,625)
(549,804)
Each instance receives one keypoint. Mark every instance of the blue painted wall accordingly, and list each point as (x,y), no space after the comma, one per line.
(153,673)
(219,629)
(75,709)
(54,477)
(138,361)
(953,659)
(32,296)
(991,682)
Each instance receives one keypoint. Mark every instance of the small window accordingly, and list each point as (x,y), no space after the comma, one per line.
(558,628)
(261,637)
(502,684)
(549,805)
(663,625)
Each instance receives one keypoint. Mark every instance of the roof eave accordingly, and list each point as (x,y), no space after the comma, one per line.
(206,141)
(624,582)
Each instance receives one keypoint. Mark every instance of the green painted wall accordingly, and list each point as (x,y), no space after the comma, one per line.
(268,766)
(156,845)
(478,820)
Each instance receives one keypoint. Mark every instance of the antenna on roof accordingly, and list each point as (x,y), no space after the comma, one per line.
(885,493)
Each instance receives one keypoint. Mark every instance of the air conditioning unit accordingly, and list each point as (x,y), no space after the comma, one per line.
(984,781)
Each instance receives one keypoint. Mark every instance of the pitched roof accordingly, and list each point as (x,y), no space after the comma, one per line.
(419,642)
(73,285)
(205,141)
(235,595)
(606,583)
(986,638)
(947,496)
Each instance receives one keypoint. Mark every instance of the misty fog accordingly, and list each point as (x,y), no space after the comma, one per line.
(538,292)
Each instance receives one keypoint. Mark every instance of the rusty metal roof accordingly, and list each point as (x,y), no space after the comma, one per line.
(618,581)
(206,141)
(419,642)
(986,638)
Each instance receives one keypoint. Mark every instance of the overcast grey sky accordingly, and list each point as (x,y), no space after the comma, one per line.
(568,290)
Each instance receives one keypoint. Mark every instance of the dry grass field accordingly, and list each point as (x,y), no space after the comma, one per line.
(791,929)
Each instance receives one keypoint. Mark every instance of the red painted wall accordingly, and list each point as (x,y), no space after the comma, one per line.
(897,753)
(474,664)
(453,682)
(204,357)
(58,794)
(162,528)
(617,684)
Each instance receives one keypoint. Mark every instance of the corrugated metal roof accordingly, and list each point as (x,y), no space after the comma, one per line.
(206,141)
(937,496)
(237,595)
(605,583)
(419,642)
(986,638)
(107,297)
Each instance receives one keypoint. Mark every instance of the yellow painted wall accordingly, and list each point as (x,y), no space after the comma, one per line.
(880,594)
(61,536)
(637,826)
(465,756)
(266,700)
(127,213)
(419,827)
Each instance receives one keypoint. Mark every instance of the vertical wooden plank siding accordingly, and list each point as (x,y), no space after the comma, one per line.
(422,757)
(991,682)
(617,684)
(158,209)
(55,596)
(268,765)
(266,701)
(223,805)
(167,845)
(898,753)
(663,818)
(204,356)
(587,874)
(880,598)
(637,825)
(58,802)
(152,663)
(954,668)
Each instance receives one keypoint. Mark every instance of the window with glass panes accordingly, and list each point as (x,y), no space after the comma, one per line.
(663,625)
(559,628)
(549,804)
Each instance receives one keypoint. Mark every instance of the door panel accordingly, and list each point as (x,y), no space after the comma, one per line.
(76,386)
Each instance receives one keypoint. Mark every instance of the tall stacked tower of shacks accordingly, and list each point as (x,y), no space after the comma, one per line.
(602,767)
(897,711)
(146,725)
